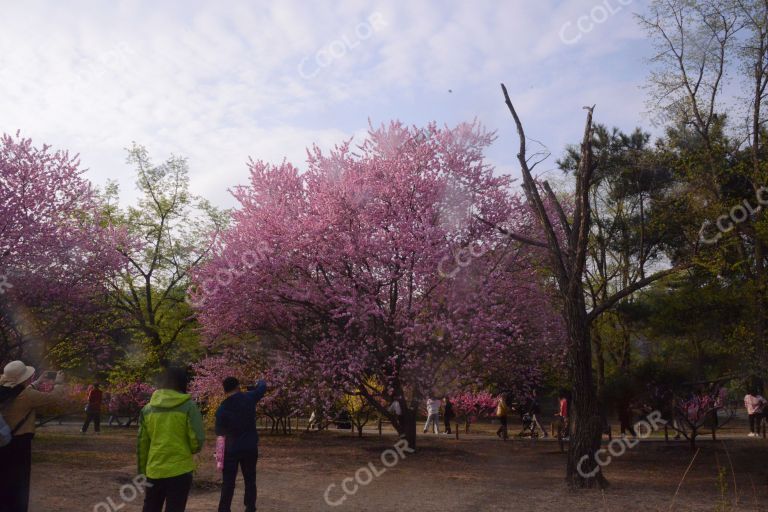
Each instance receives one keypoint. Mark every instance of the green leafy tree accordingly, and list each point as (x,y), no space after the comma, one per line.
(701,44)
(630,192)
(171,232)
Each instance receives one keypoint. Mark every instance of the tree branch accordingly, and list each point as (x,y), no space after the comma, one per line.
(513,236)
(629,290)
(532,193)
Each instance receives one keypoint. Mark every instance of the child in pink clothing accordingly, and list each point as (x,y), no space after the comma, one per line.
(221,443)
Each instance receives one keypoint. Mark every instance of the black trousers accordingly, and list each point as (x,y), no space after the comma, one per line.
(625,423)
(95,417)
(502,431)
(447,420)
(15,472)
(247,464)
(172,492)
(754,422)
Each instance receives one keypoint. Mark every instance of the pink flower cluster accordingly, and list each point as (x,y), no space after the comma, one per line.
(349,289)
(127,399)
(55,250)
(472,405)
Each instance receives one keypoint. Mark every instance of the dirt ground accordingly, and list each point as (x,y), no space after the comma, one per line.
(478,473)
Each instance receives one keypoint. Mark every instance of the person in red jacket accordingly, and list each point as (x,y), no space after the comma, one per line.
(93,409)
(561,426)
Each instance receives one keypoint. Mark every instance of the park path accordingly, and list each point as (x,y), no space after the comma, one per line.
(475,474)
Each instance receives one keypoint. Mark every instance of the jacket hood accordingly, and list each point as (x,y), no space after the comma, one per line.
(168,398)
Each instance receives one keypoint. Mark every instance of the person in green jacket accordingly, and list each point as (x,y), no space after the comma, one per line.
(170,433)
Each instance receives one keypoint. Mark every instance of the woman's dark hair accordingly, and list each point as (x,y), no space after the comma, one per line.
(174,378)
(7,395)
(230,384)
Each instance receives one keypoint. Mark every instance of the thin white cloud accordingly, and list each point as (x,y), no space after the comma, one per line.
(218,83)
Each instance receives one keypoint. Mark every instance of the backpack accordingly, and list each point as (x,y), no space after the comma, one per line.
(6,432)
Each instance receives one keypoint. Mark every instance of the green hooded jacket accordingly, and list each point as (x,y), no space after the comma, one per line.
(170,432)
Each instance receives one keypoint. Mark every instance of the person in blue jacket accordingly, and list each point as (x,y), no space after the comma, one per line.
(236,421)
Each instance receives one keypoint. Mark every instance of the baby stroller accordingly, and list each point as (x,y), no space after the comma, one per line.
(531,426)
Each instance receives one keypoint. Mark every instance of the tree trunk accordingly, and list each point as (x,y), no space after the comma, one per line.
(760,309)
(600,359)
(406,426)
(582,469)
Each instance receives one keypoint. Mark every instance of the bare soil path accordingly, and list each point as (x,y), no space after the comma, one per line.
(478,473)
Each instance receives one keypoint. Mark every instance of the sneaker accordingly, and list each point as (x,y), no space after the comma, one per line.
(751,434)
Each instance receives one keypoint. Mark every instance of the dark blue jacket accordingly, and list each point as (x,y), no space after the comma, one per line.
(236,420)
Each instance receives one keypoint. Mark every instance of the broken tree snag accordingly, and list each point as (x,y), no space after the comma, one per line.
(567,256)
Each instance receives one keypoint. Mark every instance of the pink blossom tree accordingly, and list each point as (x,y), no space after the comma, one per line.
(702,410)
(358,281)
(209,373)
(470,405)
(128,398)
(55,254)
(284,398)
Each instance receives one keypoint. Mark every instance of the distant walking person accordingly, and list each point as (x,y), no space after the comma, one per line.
(397,410)
(755,405)
(502,411)
(448,414)
(18,401)
(624,412)
(112,404)
(236,422)
(433,415)
(314,422)
(170,433)
(93,409)
(561,426)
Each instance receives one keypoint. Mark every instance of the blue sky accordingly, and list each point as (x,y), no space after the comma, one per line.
(218,82)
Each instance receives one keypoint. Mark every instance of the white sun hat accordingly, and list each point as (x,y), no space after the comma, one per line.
(15,373)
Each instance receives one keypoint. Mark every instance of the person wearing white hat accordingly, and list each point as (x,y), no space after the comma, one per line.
(18,401)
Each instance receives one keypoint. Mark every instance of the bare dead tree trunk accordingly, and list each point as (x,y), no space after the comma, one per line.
(582,470)
(567,260)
